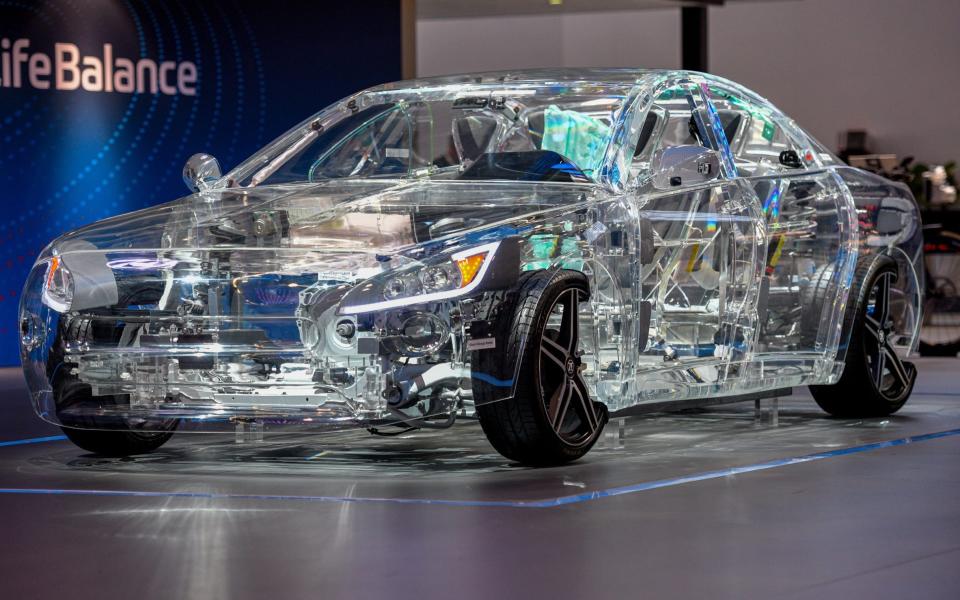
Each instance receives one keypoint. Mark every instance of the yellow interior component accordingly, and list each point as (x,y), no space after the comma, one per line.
(469,267)
(776,253)
(694,255)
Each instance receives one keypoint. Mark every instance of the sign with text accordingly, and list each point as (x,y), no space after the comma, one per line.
(102,101)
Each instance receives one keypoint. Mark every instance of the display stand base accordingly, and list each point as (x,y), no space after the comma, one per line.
(771,415)
(678,405)
(614,435)
(766,412)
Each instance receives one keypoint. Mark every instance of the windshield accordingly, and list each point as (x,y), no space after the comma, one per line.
(528,132)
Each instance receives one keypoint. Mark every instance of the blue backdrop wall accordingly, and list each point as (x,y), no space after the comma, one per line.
(102,101)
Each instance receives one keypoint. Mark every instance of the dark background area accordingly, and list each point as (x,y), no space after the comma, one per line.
(68,158)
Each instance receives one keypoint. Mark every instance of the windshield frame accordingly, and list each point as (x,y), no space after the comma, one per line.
(611,172)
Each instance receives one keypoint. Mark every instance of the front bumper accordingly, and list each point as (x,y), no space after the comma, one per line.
(274,351)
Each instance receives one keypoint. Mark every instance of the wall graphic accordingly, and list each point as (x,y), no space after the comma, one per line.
(102,101)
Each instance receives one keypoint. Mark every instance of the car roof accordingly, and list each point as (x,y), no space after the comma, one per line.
(624,79)
(601,75)
(618,80)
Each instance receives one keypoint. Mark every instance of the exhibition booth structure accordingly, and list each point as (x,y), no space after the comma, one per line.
(278,313)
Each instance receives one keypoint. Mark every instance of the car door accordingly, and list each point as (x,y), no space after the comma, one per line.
(810,247)
(699,281)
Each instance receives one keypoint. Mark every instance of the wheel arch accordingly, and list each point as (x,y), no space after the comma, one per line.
(528,289)
(866,267)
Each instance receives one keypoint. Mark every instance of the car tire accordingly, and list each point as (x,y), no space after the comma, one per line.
(875,382)
(106,435)
(550,420)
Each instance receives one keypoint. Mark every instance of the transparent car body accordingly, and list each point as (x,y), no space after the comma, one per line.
(350,273)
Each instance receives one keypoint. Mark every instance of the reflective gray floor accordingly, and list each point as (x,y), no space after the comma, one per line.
(221,520)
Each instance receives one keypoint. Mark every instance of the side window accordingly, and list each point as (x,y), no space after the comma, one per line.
(667,124)
(679,116)
(758,135)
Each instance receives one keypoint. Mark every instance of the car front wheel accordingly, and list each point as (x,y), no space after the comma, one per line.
(551,418)
(86,419)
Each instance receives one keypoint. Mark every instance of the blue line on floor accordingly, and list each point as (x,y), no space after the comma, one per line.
(37,440)
(772,464)
(543,503)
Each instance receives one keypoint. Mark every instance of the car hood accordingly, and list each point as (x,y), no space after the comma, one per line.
(338,216)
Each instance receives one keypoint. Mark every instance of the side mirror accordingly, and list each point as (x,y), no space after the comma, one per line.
(790,159)
(200,172)
(684,165)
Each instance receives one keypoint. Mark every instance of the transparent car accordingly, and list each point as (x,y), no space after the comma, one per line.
(536,250)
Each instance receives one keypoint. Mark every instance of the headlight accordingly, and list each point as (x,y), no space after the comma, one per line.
(456,276)
(438,278)
(58,286)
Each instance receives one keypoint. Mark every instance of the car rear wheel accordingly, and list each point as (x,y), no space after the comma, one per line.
(551,419)
(875,381)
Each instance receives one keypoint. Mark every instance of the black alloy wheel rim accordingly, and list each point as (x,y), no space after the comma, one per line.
(887,371)
(569,410)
